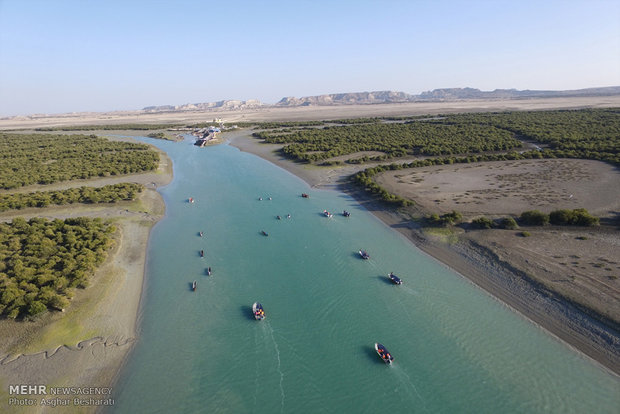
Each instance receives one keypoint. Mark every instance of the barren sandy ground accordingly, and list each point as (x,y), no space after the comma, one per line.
(581,264)
(309,112)
(502,188)
(86,345)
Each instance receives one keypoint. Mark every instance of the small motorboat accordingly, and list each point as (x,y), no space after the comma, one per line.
(304,195)
(395,279)
(327,213)
(264,233)
(288,216)
(346,213)
(258,311)
(364,254)
(260,198)
(269,198)
(384,353)
(191,200)
(279,218)
(200,234)
(208,271)
(202,253)
(194,284)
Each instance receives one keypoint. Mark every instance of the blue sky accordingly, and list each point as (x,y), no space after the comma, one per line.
(61,55)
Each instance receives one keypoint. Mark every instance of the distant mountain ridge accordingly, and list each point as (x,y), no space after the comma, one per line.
(230,104)
(383,97)
(471,93)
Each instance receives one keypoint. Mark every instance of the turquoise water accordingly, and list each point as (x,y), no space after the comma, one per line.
(456,349)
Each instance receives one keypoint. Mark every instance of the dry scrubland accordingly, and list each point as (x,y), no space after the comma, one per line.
(503,188)
(581,264)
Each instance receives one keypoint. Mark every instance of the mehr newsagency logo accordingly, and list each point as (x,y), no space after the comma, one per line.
(43,395)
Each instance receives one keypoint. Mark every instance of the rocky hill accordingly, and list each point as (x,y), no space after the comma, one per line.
(353,98)
(471,93)
(230,105)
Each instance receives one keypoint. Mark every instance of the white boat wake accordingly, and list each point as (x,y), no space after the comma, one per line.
(256,376)
(409,290)
(405,378)
(279,367)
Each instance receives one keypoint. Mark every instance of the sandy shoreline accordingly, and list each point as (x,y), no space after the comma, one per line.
(558,317)
(87,345)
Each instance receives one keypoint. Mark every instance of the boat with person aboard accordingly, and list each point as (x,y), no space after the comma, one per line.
(194,285)
(327,213)
(384,353)
(346,213)
(395,279)
(364,254)
(258,311)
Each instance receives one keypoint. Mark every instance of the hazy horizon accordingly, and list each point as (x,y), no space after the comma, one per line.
(71,56)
